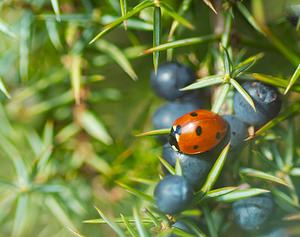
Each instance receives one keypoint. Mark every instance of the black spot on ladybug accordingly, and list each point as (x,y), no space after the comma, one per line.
(195,147)
(198,131)
(178,129)
(218,135)
(193,114)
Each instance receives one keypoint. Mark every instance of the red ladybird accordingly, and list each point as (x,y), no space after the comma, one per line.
(198,131)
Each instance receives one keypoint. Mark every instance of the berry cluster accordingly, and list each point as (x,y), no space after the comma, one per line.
(201,128)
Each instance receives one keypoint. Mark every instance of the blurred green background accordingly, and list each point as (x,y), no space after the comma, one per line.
(71,110)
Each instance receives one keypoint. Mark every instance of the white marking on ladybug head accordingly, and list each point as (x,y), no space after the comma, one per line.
(174,127)
(177,137)
(174,148)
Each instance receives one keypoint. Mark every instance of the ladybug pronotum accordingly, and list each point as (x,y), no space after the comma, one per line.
(197,132)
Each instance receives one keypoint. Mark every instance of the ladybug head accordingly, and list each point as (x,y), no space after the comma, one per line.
(174,137)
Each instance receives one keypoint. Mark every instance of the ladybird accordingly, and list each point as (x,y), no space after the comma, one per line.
(197,132)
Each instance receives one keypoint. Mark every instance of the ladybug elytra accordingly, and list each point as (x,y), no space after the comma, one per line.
(197,132)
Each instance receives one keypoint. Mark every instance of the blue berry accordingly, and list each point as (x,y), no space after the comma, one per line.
(165,115)
(293,19)
(238,130)
(267,103)
(253,213)
(292,14)
(195,168)
(195,97)
(173,194)
(170,78)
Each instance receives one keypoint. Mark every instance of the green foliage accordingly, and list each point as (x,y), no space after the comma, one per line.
(69,114)
(216,170)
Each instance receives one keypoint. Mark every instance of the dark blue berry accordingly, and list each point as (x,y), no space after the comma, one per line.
(170,78)
(195,168)
(173,194)
(267,103)
(165,115)
(292,14)
(293,19)
(238,130)
(253,213)
(195,97)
